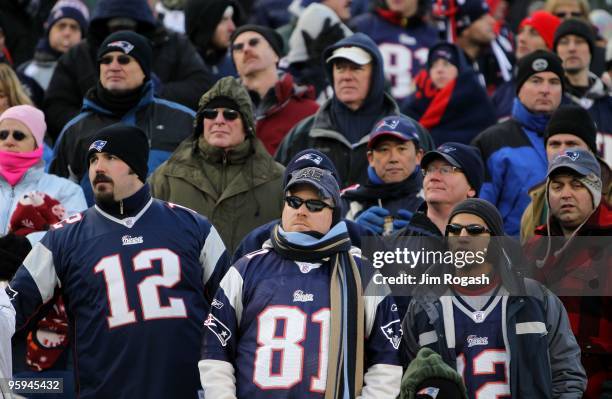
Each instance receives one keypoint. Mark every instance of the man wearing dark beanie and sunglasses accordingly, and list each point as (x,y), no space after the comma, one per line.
(124,93)
(137,275)
(506,335)
(223,171)
(307,278)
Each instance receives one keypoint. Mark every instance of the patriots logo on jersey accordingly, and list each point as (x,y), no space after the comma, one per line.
(217,304)
(123,45)
(393,332)
(219,329)
(97,145)
(11,292)
(390,124)
(311,157)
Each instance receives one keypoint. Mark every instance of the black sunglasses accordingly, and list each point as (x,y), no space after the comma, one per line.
(121,59)
(17,135)
(228,114)
(572,14)
(472,229)
(313,205)
(253,42)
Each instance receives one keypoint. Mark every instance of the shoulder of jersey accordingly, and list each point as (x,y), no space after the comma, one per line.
(350,188)
(69,222)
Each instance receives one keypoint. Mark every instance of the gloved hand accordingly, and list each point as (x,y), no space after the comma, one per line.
(35,211)
(403,218)
(373,219)
(13,250)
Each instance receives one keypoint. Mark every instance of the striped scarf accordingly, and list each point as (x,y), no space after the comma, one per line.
(346,340)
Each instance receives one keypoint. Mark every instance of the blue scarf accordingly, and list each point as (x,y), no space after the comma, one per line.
(534,122)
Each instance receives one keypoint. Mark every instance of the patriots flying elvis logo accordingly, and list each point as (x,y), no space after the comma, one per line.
(123,45)
(390,124)
(393,332)
(571,155)
(97,145)
(311,157)
(219,329)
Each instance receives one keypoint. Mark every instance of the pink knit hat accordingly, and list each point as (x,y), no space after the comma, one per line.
(30,116)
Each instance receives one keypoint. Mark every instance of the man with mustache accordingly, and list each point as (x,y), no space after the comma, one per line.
(137,275)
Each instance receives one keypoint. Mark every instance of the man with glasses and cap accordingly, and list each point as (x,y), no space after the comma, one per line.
(333,342)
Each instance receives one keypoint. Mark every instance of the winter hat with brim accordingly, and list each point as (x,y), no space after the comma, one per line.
(32,117)
(310,158)
(483,209)
(575,26)
(574,120)
(536,62)
(132,44)
(272,37)
(584,165)
(544,23)
(128,143)
(396,126)
(463,156)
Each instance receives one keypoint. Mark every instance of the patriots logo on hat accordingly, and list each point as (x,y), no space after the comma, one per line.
(539,64)
(448,149)
(123,45)
(393,332)
(311,157)
(390,124)
(97,145)
(219,329)
(571,155)
(429,391)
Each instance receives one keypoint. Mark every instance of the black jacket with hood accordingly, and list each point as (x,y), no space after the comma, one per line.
(340,133)
(181,74)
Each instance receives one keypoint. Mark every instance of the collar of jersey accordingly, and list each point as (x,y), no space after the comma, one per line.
(129,221)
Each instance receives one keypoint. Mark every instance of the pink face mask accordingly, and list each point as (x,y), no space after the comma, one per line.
(13,165)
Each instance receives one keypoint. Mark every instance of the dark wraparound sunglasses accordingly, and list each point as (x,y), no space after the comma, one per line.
(472,229)
(313,205)
(17,135)
(121,59)
(253,42)
(228,114)
(573,14)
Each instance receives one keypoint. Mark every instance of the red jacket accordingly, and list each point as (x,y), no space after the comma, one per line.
(293,103)
(580,266)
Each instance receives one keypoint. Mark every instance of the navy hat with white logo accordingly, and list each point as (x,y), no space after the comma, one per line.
(583,163)
(132,44)
(310,157)
(396,126)
(465,157)
(320,179)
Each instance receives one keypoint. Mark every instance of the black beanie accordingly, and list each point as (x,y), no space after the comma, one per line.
(536,62)
(575,120)
(483,209)
(272,37)
(128,143)
(130,43)
(574,26)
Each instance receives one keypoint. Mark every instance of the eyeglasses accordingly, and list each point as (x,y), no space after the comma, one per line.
(472,229)
(228,114)
(239,47)
(445,170)
(573,14)
(17,135)
(313,205)
(121,59)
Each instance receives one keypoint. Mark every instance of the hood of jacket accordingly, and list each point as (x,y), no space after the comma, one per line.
(106,9)
(202,18)
(232,88)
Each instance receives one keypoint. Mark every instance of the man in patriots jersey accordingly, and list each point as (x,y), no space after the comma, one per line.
(403,37)
(509,337)
(136,275)
(291,320)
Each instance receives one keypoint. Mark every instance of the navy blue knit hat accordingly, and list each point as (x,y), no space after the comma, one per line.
(130,43)
(469,12)
(70,10)
(465,157)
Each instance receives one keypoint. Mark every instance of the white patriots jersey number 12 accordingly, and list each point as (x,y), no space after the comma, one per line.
(296,327)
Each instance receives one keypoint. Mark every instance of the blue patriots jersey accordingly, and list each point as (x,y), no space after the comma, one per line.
(270,320)
(404,50)
(482,357)
(137,291)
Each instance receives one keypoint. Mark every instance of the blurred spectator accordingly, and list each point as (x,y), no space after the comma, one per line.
(223,171)
(569,126)
(178,73)
(403,35)
(209,24)
(172,14)
(513,151)
(536,32)
(395,182)
(574,43)
(445,98)
(318,27)
(271,13)
(11,91)
(341,127)
(571,265)
(123,93)
(279,102)
(65,27)
(7,328)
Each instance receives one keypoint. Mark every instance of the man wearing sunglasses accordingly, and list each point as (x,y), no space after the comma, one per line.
(293,283)
(223,171)
(506,335)
(124,93)
(279,103)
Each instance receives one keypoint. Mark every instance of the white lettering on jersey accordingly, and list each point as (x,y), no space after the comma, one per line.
(129,240)
(473,340)
(301,296)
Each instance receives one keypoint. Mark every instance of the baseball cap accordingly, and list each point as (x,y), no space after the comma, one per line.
(352,53)
(463,156)
(397,126)
(321,179)
(585,164)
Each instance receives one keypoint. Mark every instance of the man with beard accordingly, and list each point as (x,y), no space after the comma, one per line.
(137,275)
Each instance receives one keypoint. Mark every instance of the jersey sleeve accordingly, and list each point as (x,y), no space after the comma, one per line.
(214,260)
(34,283)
